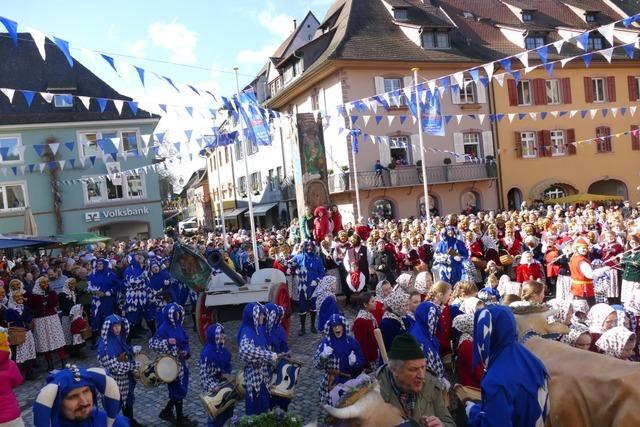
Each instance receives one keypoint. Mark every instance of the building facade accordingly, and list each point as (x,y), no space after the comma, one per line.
(54,157)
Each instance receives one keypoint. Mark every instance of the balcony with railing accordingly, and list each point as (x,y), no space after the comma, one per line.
(412,175)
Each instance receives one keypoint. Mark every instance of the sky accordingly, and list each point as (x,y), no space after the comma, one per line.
(206,37)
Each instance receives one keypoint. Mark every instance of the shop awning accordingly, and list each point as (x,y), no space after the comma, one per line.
(81,238)
(261,210)
(8,242)
(233,214)
(583,198)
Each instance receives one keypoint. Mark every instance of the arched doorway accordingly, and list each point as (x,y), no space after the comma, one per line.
(609,187)
(434,209)
(383,209)
(470,201)
(514,199)
(554,192)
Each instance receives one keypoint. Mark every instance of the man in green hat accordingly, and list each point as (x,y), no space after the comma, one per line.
(406,384)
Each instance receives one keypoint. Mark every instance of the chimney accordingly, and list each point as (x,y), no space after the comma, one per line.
(295,24)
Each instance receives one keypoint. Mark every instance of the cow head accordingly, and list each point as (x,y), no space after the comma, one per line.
(368,411)
(535,318)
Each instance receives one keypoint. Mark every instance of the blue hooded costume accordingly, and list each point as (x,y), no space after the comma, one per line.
(424,331)
(338,366)
(449,267)
(215,360)
(277,340)
(136,288)
(515,385)
(159,288)
(110,349)
(171,327)
(47,406)
(253,350)
(107,282)
(309,270)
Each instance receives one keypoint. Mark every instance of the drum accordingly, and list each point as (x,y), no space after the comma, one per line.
(163,370)
(225,396)
(285,377)
(144,361)
(240,384)
(466,393)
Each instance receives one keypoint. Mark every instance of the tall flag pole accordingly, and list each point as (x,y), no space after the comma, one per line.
(247,177)
(421,139)
(354,150)
(218,164)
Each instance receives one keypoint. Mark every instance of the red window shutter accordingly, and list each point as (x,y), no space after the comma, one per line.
(635,138)
(571,139)
(565,85)
(588,90)
(611,89)
(539,92)
(547,143)
(513,92)
(518,145)
(540,151)
(633,88)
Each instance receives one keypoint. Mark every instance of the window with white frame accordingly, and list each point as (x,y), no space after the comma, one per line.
(400,150)
(468,92)
(391,84)
(553,91)
(558,144)
(10,150)
(435,40)
(524,92)
(528,141)
(251,148)
(88,141)
(590,16)
(256,181)
(533,42)
(471,143)
(13,196)
(242,185)
(239,151)
(554,193)
(63,100)
(129,140)
(527,16)
(594,43)
(113,188)
(598,88)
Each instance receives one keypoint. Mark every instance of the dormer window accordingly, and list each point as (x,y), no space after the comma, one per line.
(400,14)
(590,16)
(432,39)
(533,42)
(468,15)
(594,43)
(63,100)
(527,15)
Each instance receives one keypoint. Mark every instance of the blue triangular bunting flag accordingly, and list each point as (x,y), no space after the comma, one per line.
(189,110)
(14,169)
(171,83)
(163,107)
(587,59)
(12,29)
(630,20)
(93,160)
(110,60)
(188,133)
(160,137)
(378,119)
(542,52)
(28,96)
(445,83)
(562,113)
(39,149)
(549,67)
(72,162)
(63,45)
(140,74)
(499,117)
(506,64)
(484,81)
(70,145)
(133,106)
(516,76)
(4,152)
(475,74)
(114,156)
(354,119)
(583,113)
(403,119)
(521,116)
(31,166)
(543,115)
(102,103)
(604,112)
(623,110)
(447,119)
(583,40)
(194,89)
(629,50)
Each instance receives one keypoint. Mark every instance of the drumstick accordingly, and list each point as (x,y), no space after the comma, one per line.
(383,351)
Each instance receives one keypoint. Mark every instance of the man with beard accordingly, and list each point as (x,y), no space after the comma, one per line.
(582,274)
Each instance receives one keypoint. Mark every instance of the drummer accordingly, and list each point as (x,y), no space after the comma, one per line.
(214,364)
(277,341)
(116,357)
(171,339)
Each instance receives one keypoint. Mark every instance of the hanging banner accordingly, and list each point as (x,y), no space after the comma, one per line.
(257,127)
(312,153)
(431,114)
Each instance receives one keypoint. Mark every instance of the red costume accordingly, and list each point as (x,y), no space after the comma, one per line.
(466,375)
(363,328)
(526,272)
(378,312)
(79,325)
(336,217)
(363,231)
(581,285)
(320,224)
(445,331)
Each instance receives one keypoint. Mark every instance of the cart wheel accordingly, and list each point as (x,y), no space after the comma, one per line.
(282,298)
(205,316)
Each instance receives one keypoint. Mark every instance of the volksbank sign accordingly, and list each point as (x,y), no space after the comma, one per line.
(114,213)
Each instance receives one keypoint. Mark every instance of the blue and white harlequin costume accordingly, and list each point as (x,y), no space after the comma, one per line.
(159,289)
(102,279)
(515,389)
(254,352)
(277,340)
(449,255)
(215,361)
(47,406)
(309,270)
(136,288)
(424,331)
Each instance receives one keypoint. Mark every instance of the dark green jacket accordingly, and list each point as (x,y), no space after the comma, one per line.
(631,264)
(430,401)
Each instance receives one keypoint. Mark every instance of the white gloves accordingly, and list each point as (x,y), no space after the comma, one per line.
(458,258)
(468,407)
(326,352)
(352,358)
(166,283)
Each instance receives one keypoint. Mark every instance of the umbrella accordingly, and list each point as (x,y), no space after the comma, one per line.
(8,242)
(81,238)
(30,225)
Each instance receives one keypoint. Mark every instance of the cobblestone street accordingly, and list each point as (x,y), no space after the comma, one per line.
(149,401)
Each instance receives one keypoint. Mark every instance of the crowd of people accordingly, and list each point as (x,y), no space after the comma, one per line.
(426,287)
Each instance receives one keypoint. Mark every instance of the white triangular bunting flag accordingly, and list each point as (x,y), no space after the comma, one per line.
(62,163)
(554,114)
(511,117)
(86,101)
(572,113)
(534,115)
(145,139)
(387,98)
(413,119)
(39,40)
(481,118)
(48,97)
(432,86)
(118,104)
(564,61)
(524,58)
(459,118)
(593,112)
(632,110)
(42,165)
(8,93)
(82,160)
(607,32)
(459,77)
(499,78)
(54,147)
(607,54)
(558,45)
(614,111)
(366,119)
(390,119)
(488,68)
(22,168)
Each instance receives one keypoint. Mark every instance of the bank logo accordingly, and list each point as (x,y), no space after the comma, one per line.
(92,216)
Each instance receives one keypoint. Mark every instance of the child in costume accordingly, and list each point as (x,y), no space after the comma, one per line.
(214,364)
(78,324)
(363,328)
(103,285)
(326,303)
(277,339)
(19,315)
